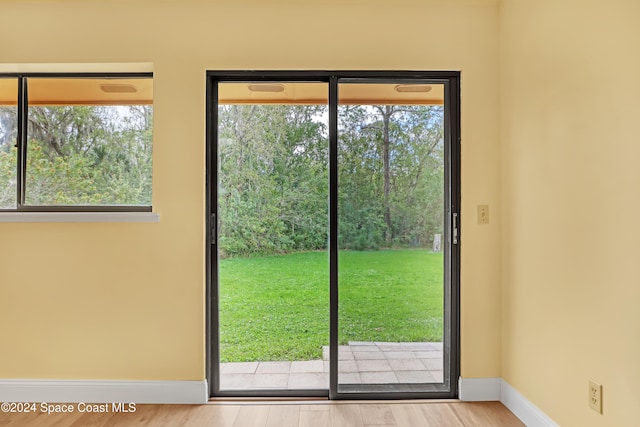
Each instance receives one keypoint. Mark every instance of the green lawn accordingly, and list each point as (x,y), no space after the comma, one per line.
(277,307)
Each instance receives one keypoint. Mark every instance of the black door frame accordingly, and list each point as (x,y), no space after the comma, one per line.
(451,333)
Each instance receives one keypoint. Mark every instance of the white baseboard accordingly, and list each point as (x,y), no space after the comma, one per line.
(528,413)
(491,389)
(479,389)
(103,391)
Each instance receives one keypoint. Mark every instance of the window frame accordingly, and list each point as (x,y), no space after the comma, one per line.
(22,141)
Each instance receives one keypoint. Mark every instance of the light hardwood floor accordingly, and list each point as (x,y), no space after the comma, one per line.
(279,414)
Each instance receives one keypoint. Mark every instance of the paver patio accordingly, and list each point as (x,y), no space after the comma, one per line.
(358,363)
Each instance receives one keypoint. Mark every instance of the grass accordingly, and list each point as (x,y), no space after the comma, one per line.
(277,307)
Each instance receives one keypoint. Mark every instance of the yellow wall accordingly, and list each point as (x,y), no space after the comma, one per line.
(570,106)
(116,301)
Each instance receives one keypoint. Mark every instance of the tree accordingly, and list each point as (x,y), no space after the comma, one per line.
(273,177)
(393,156)
(79,155)
(8,130)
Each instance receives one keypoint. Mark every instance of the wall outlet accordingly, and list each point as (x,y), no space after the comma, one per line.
(483,214)
(595,397)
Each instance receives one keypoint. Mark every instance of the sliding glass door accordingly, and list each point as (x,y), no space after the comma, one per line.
(272,229)
(391,198)
(332,234)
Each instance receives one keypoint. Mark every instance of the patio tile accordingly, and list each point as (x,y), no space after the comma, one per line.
(417,346)
(437,376)
(386,348)
(349,378)
(386,377)
(433,364)
(270,381)
(436,354)
(390,346)
(239,367)
(360,362)
(307,366)
(415,377)
(308,380)
(347,366)
(273,368)
(325,353)
(356,348)
(406,365)
(373,365)
(400,354)
(234,381)
(345,355)
(364,355)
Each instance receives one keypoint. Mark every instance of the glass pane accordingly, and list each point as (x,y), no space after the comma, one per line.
(8,135)
(89,142)
(272,255)
(391,223)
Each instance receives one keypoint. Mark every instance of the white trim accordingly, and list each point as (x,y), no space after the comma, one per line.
(479,389)
(79,217)
(73,67)
(528,413)
(104,391)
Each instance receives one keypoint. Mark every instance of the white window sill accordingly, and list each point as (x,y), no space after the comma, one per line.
(79,217)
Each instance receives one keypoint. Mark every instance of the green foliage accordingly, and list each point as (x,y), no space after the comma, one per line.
(276,307)
(8,178)
(8,124)
(273,172)
(81,155)
(274,179)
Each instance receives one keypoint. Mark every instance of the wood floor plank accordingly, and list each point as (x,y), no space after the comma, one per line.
(440,415)
(218,415)
(142,415)
(408,415)
(16,419)
(376,414)
(43,419)
(61,420)
(91,420)
(165,416)
(330,414)
(315,418)
(489,414)
(346,415)
(252,416)
(319,407)
(284,416)
(224,415)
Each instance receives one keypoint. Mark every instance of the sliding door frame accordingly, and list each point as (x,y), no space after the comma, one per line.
(451,333)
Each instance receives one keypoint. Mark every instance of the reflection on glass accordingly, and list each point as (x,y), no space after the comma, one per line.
(391,223)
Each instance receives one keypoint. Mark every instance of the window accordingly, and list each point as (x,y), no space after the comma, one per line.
(76,142)
(8,137)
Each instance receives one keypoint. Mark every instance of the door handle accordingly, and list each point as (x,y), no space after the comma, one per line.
(213,229)
(455,229)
